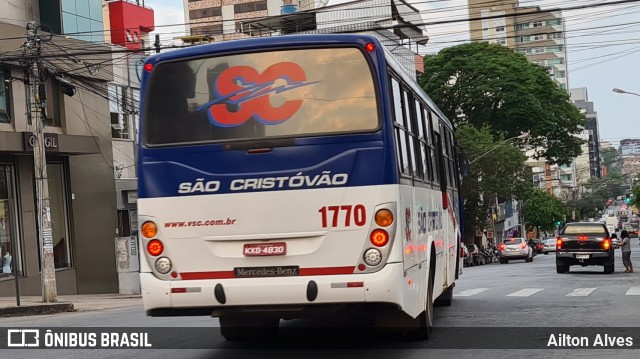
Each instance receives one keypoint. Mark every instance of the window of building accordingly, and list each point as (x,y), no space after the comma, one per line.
(553,22)
(9,243)
(560,74)
(59,215)
(563,86)
(501,41)
(538,24)
(537,37)
(118,111)
(555,35)
(522,26)
(250,6)
(211,30)
(556,61)
(499,28)
(52,113)
(557,48)
(208,12)
(537,50)
(565,178)
(521,50)
(5,95)
(128,36)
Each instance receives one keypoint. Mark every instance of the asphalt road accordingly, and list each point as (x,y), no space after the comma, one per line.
(512,297)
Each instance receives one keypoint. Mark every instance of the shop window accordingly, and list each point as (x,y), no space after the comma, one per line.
(10,250)
(5,95)
(59,217)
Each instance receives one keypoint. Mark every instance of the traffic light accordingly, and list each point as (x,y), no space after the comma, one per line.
(558,223)
(628,198)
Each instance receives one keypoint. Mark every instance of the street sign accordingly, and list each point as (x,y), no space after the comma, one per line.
(490,234)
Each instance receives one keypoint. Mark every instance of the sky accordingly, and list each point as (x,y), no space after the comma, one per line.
(603,50)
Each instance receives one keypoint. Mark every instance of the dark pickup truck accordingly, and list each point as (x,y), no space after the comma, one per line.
(584,243)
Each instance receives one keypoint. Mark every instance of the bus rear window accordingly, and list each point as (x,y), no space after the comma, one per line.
(294,93)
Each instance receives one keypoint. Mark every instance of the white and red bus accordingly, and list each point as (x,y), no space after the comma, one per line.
(287,176)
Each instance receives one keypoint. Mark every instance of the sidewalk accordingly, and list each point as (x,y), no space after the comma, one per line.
(32,305)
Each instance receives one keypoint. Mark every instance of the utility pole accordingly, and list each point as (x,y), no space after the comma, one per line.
(36,105)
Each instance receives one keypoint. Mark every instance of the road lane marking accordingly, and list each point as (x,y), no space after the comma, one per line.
(581,292)
(633,291)
(525,292)
(470,292)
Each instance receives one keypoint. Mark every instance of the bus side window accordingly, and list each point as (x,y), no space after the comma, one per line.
(453,173)
(410,133)
(426,124)
(421,147)
(446,154)
(402,154)
(435,160)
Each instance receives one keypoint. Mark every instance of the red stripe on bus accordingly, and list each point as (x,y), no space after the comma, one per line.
(303,272)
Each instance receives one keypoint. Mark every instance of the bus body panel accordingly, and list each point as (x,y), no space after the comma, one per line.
(206,234)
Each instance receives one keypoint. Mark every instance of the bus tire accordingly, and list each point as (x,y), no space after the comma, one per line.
(242,328)
(445,299)
(425,319)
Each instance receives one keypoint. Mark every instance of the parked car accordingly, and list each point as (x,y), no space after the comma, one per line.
(515,248)
(476,257)
(632,229)
(536,245)
(467,260)
(549,245)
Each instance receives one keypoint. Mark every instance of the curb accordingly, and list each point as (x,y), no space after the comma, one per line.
(38,309)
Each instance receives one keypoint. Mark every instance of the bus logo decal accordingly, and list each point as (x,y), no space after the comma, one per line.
(247,92)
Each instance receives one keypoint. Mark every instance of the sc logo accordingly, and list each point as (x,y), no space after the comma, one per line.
(249,90)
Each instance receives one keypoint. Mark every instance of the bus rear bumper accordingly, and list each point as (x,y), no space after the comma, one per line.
(276,294)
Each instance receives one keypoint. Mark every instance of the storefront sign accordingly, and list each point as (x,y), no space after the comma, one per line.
(489,234)
(50,142)
(132,197)
(478,233)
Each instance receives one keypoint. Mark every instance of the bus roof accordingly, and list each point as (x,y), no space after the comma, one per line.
(263,43)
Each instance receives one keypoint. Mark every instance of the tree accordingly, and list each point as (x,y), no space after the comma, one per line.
(496,170)
(610,159)
(485,84)
(543,210)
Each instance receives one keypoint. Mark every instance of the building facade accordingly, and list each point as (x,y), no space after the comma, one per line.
(540,36)
(79,171)
(580,98)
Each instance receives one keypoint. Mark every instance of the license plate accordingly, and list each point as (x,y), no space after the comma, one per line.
(264,249)
(276,271)
(582,256)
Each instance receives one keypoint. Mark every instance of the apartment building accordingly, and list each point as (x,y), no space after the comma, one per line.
(580,97)
(540,36)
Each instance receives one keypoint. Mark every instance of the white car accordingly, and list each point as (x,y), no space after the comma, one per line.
(549,245)
(515,248)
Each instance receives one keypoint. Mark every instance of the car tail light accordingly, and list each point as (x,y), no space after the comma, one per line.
(559,243)
(523,245)
(155,247)
(501,247)
(379,237)
(606,244)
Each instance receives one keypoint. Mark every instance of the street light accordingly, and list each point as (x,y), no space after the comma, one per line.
(519,137)
(617,90)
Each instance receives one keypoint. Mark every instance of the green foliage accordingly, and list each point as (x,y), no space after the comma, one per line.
(543,210)
(496,169)
(483,84)
(610,159)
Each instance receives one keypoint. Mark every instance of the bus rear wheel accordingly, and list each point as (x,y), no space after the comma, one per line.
(246,328)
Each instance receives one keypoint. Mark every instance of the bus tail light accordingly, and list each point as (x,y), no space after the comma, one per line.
(559,243)
(155,247)
(384,218)
(148,67)
(370,47)
(372,257)
(163,265)
(149,229)
(379,237)
(606,244)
